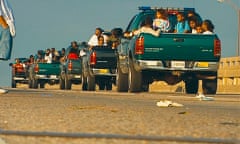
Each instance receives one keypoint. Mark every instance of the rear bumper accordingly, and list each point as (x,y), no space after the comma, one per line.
(47,77)
(188,66)
(74,76)
(104,72)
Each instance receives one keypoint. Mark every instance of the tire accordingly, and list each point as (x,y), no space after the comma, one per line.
(62,82)
(102,85)
(84,82)
(109,85)
(209,86)
(42,85)
(121,81)
(34,83)
(134,79)
(68,83)
(14,84)
(191,86)
(145,87)
(91,85)
(30,83)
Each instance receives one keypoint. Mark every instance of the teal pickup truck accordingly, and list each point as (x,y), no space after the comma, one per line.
(170,57)
(71,73)
(41,73)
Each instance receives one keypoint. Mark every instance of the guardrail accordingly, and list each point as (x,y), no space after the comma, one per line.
(228,79)
(229,75)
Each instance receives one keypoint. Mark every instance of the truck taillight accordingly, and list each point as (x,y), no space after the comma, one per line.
(70,65)
(217,47)
(93,58)
(139,46)
(36,68)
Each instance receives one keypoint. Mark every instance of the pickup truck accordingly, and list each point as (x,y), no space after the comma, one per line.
(41,73)
(99,67)
(19,72)
(71,73)
(171,57)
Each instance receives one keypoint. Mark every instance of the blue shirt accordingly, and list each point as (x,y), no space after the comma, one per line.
(182,26)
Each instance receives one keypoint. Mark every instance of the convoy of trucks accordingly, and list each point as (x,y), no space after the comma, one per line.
(137,61)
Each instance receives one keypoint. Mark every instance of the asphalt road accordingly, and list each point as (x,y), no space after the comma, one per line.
(75,117)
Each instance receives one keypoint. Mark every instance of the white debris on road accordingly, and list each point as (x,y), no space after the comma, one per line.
(167,103)
(3,91)
(2,141)
(202,97)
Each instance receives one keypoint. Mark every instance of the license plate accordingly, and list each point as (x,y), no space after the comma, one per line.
(203,64)
(178,64)
(77,76)
(53,76)
(103,71)
(153,63)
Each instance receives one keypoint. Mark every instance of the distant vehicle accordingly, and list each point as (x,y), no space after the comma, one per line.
(99,67)
(71,73)
(170,57)
(42,73)
(19,72)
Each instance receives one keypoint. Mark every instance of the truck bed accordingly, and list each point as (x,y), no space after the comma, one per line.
(171,46)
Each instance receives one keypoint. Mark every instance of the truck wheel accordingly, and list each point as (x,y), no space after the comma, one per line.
(84,82)
(30,83)
(42,85)
(145,87)
(34,83)
(14,84)
(121,81)
(109,85)
(68,83)
(209,86)
(134,79)
(91,85)
(191,86)
(61,82)
(101,85)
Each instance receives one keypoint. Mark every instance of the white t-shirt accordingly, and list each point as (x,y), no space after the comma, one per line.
(94,40)
(194,31)
(207,32)
(6,12)
(48,58)
(161,24)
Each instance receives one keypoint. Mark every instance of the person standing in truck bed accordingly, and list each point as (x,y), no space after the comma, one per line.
(207,27)
(182,25)
(161,21)
(146,28)
(72,51)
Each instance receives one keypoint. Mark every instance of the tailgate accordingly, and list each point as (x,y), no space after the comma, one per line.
(76,66)
(106,58)
(179,47)
(49,68)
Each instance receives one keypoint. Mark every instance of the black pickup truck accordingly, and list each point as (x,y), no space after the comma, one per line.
(99,67)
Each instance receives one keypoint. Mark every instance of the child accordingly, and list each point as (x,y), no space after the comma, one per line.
(207,27)
(161,21)
(199,29)
(193,25)
(182,25)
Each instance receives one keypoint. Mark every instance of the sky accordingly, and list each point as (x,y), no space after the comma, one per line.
(42,24)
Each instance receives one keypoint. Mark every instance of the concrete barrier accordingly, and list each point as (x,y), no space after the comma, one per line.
(228,79)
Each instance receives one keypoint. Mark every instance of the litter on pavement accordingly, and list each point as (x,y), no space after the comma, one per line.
(202,97)
(3,91)
(167,103)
